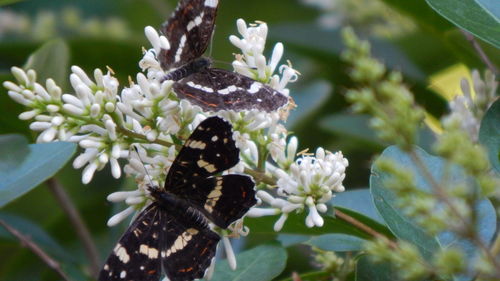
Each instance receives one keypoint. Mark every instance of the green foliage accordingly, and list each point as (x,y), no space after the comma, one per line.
(489,135)
(482,18)
(23,167)
(262,263)
(420,237)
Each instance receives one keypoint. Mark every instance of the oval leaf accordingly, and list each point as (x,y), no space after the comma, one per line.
(471,16)
(37,165)
(308,100)
(489,134)
(258,264)
(337,242)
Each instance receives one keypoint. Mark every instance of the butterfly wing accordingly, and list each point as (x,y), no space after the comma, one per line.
(216,89)
(224,199)
(189,31)
(188,246)
(136,256)
(209,150)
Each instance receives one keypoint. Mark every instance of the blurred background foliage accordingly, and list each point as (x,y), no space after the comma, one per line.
(409,36)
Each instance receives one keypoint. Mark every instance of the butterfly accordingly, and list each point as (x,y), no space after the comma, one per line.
(189,31)
(172,235)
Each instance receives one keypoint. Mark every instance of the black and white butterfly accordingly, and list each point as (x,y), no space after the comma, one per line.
(172,235)
(189,31)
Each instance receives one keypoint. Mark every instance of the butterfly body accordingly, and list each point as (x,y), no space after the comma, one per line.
(172,234)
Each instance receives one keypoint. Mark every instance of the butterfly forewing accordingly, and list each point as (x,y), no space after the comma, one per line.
(188,30)
(209,150)
(136,256)
(216,89)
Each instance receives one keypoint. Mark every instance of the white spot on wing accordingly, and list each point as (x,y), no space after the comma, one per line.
(205,165)
(199,87)
(152,253)
(181,241)
(121,253)
(180,48)
(229,90)
(211,3)
(255,87)
(195,22)
(123,274)
(197,144)
(213,197)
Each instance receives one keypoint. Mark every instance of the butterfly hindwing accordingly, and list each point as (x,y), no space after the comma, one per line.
(188,30)
(224,199)
(136,256)
(188,246)
(209,150)
(216,89)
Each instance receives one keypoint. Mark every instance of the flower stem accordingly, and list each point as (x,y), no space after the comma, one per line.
(356,223)
(480,52)
(78,223)
(25,241)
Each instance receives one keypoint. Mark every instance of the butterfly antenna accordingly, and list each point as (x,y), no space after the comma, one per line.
(210,48)
(150,179)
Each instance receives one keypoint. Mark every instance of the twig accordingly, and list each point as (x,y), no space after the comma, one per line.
(345,217)
(441,195)
(480,51)
(25,241)
(78,223)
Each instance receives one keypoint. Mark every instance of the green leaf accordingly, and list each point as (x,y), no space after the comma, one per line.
(50,61)
(360,201)
(337,242)
(366,270)
(8,2)
(35,233)
(329,242)
(489,134)
(261,263)
(477,17)
(8,144)
(308,100)
(312,276)
(295,224)
(32,165)
(404,227)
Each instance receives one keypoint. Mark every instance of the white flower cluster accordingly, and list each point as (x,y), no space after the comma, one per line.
(467,110)
(308,182)
(140,122)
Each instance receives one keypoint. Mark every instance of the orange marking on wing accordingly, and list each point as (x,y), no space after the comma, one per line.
(151,272)
(204,251)
(186,269)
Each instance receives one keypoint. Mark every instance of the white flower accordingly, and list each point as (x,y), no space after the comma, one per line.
(253,63)
(467,110)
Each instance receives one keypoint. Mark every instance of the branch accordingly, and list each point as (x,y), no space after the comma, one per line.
(480,52)
(356,223)
(25,241)
(78,223)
